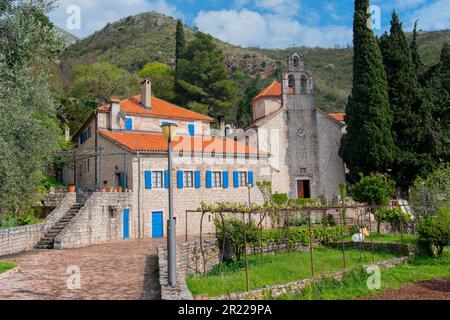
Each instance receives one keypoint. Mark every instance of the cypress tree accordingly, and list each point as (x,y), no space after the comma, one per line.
(180,41)
(180,46)
(368,145)
(406,103)
(417,59)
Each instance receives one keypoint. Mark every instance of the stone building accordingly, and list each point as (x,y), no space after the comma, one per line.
(303,140)
(120,147)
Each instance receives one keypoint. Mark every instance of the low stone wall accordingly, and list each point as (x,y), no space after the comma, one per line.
(395,248)
(190,262)
(98,222)
(20,239)
(294,288)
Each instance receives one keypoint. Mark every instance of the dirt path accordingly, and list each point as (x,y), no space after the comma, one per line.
(124,270)
(424,290)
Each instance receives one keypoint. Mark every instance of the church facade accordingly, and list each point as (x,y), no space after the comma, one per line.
(303,140)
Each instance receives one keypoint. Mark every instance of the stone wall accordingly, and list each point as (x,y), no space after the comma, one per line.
(395,248)
(20,239)
(296,287)
(98,222)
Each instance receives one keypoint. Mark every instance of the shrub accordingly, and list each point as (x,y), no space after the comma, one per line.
(329,221)
(433,235)
(394,216)
(280,198)
(300,236)
(232,233)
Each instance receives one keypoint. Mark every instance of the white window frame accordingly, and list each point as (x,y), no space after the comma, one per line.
(155,179)
(240,179)
(185,180)
(213,179)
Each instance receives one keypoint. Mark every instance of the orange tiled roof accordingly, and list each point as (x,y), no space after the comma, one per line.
(273,90)
(160,109)
(338,116)
(153,142)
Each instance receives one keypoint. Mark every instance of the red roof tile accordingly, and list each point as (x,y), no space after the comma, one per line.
(151,142)
(160,109)
(273,90)
(338,116)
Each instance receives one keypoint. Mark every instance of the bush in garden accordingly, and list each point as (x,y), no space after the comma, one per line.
(434,235)
(395,217)
(280,198)
(232,233)
(375,190)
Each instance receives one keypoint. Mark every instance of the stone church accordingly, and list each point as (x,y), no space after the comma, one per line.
(303,140)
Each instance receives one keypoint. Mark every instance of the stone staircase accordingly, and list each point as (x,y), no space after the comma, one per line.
(48,241)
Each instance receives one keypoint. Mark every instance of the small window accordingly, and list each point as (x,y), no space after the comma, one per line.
(296,62)
(158,179)
(217,179)
(128,124)
(188,179)
(243,179)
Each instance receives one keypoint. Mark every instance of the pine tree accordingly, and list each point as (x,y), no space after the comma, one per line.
(203,84)
(417,59)
(407,104)
(368,145)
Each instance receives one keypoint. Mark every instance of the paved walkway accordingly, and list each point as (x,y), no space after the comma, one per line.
(124,271)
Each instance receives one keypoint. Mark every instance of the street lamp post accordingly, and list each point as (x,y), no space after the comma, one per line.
(169,132)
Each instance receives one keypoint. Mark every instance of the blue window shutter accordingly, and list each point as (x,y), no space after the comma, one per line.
(191,129)
(166,179)
(180,179)
(197,177)
(148,179)
(250,178)
(208,179)
(225,179)
(129,124)
(236,179)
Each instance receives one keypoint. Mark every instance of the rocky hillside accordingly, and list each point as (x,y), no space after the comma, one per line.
(133,41)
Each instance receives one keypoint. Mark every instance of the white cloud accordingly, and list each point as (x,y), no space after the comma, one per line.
(432,17)
(95,14)
(280,7)
(250,28)
(408,4)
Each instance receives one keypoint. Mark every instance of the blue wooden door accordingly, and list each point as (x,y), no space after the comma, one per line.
(126,223)
(157,224)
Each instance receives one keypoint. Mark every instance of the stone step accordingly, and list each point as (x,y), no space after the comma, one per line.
(42,246)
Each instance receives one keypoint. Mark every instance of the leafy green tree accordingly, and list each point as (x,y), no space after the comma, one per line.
(101,81)
(245,109)
(408,106)
(368,145)
(30,133)
(375,190)
(203,84)
(162,77)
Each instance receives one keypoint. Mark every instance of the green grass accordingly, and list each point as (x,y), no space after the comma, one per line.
(278,269)
(354,284)
(5,266)
(390,237)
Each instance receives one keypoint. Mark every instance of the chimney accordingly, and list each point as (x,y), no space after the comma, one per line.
(221,120)
(114,115)
(146,93)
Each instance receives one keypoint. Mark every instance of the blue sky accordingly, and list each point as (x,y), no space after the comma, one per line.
(261,23)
